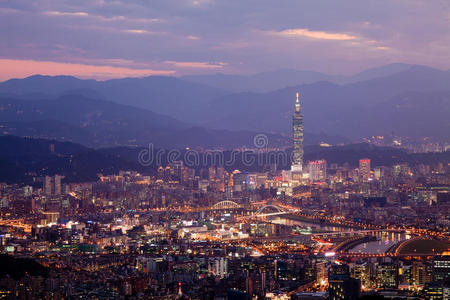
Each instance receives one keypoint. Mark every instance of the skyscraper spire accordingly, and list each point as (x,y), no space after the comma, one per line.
(297,137)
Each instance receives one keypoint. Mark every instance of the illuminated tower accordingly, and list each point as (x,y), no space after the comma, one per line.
(364,169)
(297,128)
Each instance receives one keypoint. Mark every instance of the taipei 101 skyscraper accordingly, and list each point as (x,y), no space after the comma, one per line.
(297,129)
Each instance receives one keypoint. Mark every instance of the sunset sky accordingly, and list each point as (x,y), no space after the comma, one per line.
(119,38)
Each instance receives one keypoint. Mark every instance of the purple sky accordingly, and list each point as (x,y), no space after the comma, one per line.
(176,37)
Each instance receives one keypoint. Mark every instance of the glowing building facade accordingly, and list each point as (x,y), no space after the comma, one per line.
(297,128)
(364,169)
(317,170)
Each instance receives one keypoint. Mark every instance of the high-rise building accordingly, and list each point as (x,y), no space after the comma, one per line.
(361,271)
(422,273)
(176,168)
(57,182)
(436,291)
(48,185)
(441,268)
(52,185)
(317,170)
(341,285)
(297,128)
(364,169)
(387,276)
(218,266)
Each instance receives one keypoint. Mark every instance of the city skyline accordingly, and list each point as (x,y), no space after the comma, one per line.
(226,150)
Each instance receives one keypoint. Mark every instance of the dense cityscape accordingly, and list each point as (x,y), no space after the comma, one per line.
(316,231)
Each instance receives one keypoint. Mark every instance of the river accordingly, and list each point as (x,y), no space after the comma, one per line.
(384,241)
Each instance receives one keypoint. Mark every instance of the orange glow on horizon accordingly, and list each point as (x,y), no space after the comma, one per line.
(12,68)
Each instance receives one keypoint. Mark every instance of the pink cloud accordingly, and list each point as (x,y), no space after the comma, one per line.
(320,35)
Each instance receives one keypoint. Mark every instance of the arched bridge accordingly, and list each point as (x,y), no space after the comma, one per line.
(227,204)
(266,211)
(270,210)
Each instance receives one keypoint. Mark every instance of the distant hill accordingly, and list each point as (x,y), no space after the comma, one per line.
(412,114)
(375,72)
(165,95)
(380,156)
(274,80)
(23,160)
(88,121)
(354,110)
(261,82)
(48,129)
(97,123)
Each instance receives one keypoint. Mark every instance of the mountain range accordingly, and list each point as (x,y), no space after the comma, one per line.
(227,111)
(414,97)
(162,94)
(274,80)
(98,123)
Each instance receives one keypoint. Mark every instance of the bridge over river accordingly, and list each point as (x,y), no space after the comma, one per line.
(373,243)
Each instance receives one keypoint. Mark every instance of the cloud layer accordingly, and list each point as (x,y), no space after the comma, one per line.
(321,35)
(143,37)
